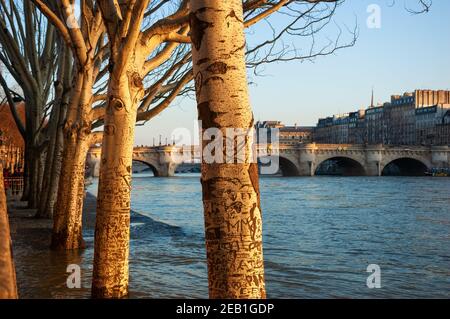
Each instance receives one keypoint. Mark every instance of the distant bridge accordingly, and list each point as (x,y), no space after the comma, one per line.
(301,159)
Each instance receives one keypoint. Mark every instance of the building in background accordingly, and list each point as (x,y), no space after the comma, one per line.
(375,126)
(323,132)
(295,134)
(429,122)
(443,129)
(423,98)
(399,116)
(357,128)
(269,124)
(349,128)
(263,131)
(289,135)
(417,118)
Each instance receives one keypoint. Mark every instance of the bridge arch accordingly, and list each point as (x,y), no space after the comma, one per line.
(343,165)
(286,166)
(405,166)
(149,165)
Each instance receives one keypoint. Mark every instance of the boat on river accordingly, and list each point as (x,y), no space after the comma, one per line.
(439,172)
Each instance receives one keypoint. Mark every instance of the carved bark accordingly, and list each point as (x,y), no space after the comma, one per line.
(8,287)
(231,199)
(125,91)
(67,223)
(112,230)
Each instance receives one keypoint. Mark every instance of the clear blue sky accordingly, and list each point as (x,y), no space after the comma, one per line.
(407,52)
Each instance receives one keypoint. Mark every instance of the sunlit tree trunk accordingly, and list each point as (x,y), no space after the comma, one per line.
(112,230)
(8,287)
(125,91)
(84,38)
(67,224)
(231,197)
(61,239)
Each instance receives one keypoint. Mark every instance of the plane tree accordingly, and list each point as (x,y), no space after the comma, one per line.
(149,65)
(141,37)
(28,52)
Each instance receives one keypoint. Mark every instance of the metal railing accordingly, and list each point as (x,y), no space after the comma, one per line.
(14,187)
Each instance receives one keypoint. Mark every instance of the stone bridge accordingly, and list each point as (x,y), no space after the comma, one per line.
(163,160)
(302,159)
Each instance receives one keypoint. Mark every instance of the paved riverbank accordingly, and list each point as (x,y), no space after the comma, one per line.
(28,230)
(41,273)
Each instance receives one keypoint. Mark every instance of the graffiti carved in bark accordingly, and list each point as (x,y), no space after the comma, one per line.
(233,223)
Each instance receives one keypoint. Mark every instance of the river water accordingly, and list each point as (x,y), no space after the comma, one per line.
(320,235)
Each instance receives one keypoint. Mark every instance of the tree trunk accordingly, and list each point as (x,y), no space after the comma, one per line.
(112,229)
(34,167)
(55,132)
(26,176)
(41,172)
(8,287)
(231,198)
(48,166)
(67,222)
(33,148)
(57,162)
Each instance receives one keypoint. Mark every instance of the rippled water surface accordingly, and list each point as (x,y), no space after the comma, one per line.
(320,234)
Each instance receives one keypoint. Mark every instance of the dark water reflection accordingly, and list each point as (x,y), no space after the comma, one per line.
(320,234)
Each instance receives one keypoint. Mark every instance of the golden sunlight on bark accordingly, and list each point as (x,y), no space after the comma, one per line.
(233,223)
(125,91)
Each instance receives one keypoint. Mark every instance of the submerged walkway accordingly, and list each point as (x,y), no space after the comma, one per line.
(41,272)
